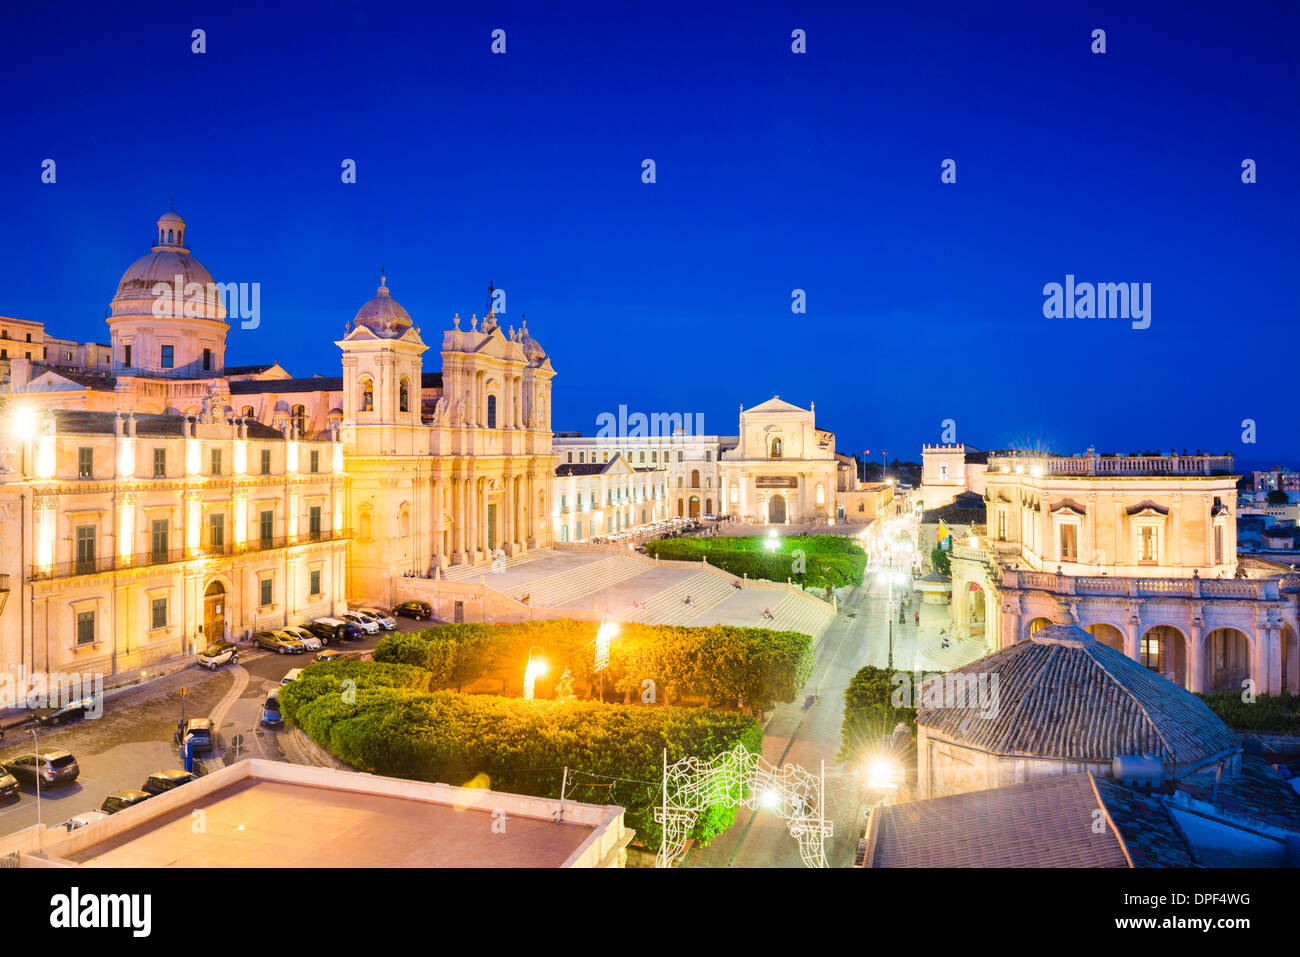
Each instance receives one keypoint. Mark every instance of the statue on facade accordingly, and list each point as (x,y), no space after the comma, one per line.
(439,410)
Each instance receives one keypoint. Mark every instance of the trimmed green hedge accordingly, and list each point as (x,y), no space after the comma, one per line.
(1268,712)
(721,664)
(380,718)
(869,711)
(828,560)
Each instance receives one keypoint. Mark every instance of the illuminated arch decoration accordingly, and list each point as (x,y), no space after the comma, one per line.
(741,778)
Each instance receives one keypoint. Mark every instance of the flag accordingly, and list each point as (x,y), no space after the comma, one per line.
(941,534)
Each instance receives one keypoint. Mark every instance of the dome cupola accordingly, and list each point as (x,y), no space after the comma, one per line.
(383,315)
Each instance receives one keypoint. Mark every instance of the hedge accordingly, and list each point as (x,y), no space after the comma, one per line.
(1266,713)
(828,560)
(721,664)
(869,711)
(614,753)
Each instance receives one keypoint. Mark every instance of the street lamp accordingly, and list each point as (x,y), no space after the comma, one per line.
(607,631)
(40,830)
(536,667)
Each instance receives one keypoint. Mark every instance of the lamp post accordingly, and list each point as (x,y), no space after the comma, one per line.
(40,829)
(606,631)
(536,666)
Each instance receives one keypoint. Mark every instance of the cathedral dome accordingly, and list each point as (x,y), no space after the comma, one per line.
(533,350)
(168,259)
(383,315)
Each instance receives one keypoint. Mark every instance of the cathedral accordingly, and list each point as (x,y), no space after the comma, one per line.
(155,499)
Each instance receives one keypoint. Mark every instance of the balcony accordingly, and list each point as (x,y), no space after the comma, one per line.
(1257,589)
(153,558)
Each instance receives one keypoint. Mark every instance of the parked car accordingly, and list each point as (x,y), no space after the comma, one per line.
(326,633)
(161,781)
(386,621)
(121,800)
(310,641)
(218,654)
(278,642)
(342,629)
(84,819)
(419,610)
(291,675)
(325,657)
(201,729)
(364,622)
(271,711)
(48,717)
(55,766)
(8,785)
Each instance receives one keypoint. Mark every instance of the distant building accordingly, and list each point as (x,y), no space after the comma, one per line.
(595,499)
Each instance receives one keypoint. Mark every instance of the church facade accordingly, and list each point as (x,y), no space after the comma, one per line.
(155,499)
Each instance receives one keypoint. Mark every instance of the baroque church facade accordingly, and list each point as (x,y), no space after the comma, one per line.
(212,500)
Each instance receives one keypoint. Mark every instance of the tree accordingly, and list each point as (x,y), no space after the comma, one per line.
(1278,497)
(939,558)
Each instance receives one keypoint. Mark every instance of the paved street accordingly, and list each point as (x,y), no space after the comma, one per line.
(133,738)
(806,733)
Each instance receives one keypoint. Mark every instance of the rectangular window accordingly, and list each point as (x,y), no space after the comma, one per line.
(266,526)
(126,356)
(1147,544)
(158,612)
(314,523)
(216,461)
(216,532)
(266,461)
(315,460)
(85,627)
(1218,544)
(158,530)
(85,548)
(85,463)
(168,357)
(265,592)
(564,503)
(680,457)
(207,360)
(581,457)
(569,457)
(1069,543)
(313,582)
(159,463)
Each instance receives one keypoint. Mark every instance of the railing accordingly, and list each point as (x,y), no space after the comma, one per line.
(146,559)
(1240,588)
(1118,464)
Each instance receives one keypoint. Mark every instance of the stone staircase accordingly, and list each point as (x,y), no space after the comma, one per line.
(706,589)
(796,613)
(566,589)
(461,573)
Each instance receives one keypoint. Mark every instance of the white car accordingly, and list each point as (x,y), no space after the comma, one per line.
(291,675)
(364,622)
(84,819)
(384,618)
(311,641)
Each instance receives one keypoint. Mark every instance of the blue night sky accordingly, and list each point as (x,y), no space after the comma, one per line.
(775,171)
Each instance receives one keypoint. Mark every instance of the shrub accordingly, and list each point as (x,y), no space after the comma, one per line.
(827,561)
(386,723)
(721,664)
(869,712)
(1267,713)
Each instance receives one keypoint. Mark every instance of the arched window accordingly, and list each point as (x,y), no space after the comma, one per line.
(492,412)
(404,396)
(695,478)
(162,236)
(364,524)
(776,448)
(248,412)
(169,235)
(821,494)
(300,419)
(367,394)
(180,238)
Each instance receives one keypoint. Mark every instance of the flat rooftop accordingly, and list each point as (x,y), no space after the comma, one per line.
(269,814)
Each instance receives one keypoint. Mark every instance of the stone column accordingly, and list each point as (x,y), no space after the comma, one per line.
(1133,635)
(1196,656)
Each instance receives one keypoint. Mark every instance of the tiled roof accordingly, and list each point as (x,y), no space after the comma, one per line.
(248,370)
(1041,823)
(319,383)
(68,421)
(580,468)
(88,380)
(1062,694)
(1146,829)
(1258,792)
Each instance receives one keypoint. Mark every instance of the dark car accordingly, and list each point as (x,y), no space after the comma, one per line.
(271,711)
(419,610)
(8,785)
(121,800)
(200,729)
(55,767)
(161,781)
(342,629)
(48,717)
(326,633)
(278,642)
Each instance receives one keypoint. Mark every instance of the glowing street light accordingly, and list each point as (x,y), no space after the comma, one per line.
(883,773)
(536,667)
(773,542)
(607,630)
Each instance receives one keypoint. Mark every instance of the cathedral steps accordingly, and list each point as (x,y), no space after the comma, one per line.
(461,573)
(568,589)
(669,607)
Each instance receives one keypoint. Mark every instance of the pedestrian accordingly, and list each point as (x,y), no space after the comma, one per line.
(918,619)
